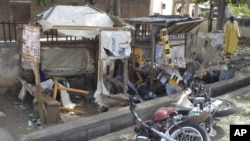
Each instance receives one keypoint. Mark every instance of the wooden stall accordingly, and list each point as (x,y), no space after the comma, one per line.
(168,31)
(101,37)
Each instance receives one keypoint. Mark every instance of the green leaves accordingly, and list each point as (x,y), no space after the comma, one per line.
(199,1)
(230,1)
(239,1)
(243,10)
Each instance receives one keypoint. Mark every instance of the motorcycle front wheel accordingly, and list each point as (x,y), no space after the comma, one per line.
(226,108)
(189,132)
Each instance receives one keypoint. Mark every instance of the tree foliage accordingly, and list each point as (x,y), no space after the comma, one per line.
(241,11)
(239,1)
(229,1)
(199,1)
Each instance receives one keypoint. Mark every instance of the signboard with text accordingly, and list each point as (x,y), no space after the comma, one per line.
(117,43)
(31,43)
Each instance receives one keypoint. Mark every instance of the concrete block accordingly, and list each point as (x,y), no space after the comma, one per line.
(53,109)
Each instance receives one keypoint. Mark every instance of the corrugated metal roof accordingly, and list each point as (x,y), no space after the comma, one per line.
(183,27)
(174,23)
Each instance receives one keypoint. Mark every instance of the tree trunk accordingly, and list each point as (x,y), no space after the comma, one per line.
(107,6)
(182,7)
(222,4)
(90,2)
(210,18)
(117,8)
(196,10)
(187,7)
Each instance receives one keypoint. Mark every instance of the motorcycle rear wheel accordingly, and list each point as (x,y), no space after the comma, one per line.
(189,132)
(226,108)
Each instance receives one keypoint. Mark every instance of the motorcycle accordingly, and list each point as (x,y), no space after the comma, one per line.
(167,124)
(201,97)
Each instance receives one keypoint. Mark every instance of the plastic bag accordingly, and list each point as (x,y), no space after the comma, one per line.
(66,101)
(22,93)
(47,85)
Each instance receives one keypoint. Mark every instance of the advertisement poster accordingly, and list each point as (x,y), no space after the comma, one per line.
(31,43)
(115,43)
(178,59)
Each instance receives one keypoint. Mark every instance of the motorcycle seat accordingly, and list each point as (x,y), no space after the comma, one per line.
(183,109)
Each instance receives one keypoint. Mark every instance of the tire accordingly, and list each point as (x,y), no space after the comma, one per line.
(193,130)
(226,108)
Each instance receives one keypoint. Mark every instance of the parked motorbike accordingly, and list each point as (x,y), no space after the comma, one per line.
(167,124)
(201,97)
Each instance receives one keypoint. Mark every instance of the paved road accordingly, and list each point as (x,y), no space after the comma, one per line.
(240,97)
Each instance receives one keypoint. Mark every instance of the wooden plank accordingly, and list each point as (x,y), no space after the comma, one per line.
(55,89)
(115,81)
(152,70)
(73,90)
(72,110)
(77,27)
(117,57)
(125,76)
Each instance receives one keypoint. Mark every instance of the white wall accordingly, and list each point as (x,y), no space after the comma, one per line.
(156,7)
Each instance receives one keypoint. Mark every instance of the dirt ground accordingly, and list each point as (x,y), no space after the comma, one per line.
(15,119)
(241,98)
(14,116)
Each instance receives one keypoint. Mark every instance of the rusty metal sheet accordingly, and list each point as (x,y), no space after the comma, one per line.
(183,27)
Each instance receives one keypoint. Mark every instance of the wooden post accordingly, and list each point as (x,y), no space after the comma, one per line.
(39,93)
(152,72)
(55,89)
(125,76)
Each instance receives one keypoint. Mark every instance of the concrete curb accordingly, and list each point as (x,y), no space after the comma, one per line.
(92,127)
(222,87)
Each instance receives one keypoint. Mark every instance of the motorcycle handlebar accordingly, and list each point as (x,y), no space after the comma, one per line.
(161,134)
(198,89)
